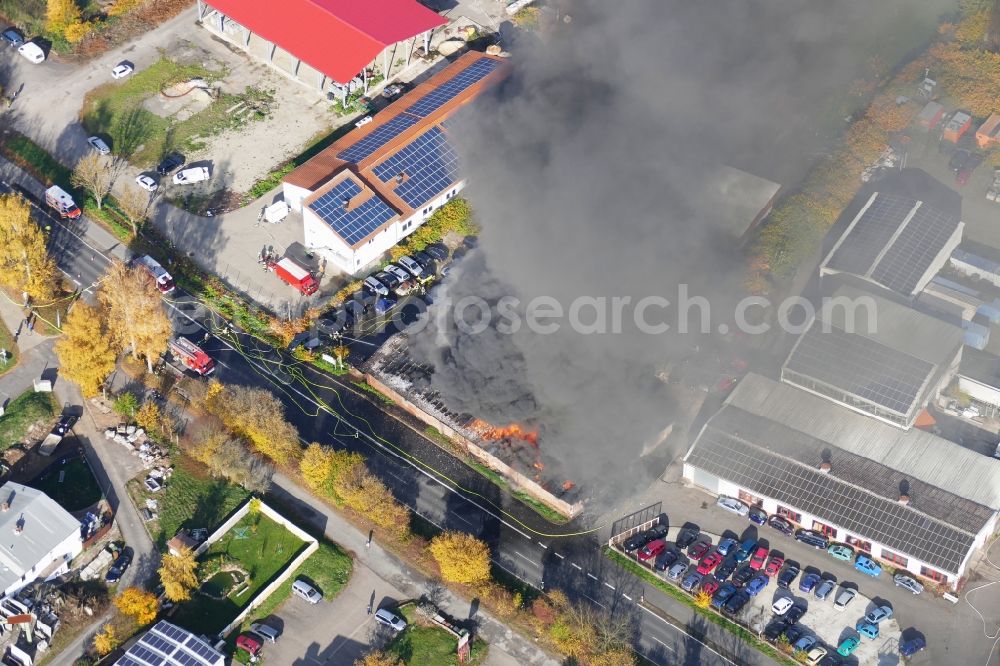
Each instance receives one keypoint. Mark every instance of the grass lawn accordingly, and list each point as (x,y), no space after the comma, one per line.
(78,488)
(262,547)
(115,109)
(7,343)
(36,160)
(428,645)
(23,412)
(190,499)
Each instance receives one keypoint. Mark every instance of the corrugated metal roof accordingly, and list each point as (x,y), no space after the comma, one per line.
(896,326)
(44,525)
(336,37)
(917,454)
(981,366)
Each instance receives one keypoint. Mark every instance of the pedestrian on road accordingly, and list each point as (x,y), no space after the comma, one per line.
(369,542)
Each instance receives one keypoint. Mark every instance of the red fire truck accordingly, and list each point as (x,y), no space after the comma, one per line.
(192,356)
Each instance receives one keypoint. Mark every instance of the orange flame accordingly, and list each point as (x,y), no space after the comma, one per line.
(512,431)
(539,465)
(568,485)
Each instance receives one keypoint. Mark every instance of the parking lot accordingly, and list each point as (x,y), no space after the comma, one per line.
(955,632)
(823,620)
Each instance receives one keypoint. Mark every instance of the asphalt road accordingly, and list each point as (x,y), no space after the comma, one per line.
(435,485)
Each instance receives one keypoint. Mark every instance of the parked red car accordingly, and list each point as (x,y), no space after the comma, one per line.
(698,549)
(707,565)
(710,585)
(250,644)
(774,564)
(757,560)
(652,549)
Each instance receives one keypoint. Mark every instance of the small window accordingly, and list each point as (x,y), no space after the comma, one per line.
(752,500)
(895,558)
(793,516)
(860,544)
(934,575)
(825,529)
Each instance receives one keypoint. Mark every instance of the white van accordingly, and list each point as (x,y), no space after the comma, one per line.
(32,52)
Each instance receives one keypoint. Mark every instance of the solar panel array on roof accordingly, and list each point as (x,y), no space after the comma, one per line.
(354,223)
(897,526)
(868,237)
(436,98)
(377,138)
(428,165)
(914,250)
(860,366)
(167,645)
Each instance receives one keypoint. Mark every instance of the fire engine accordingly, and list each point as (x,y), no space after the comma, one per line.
(192,356)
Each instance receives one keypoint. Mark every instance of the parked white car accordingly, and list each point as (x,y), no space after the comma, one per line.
(121,70)
(146,182)
(781,606)
(191,175)
(32,52)
(97,143)
(732,504)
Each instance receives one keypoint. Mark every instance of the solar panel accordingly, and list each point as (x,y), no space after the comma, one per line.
(828,498)
(859,366)
(436,98)
(428,166)
(171,631)
(862,245)
(377,138)
(914,250)
(357,222)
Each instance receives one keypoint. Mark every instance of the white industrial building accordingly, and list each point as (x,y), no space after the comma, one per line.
(379,183)
(38,538)
(910,499)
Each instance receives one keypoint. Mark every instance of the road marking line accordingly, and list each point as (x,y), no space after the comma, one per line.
(609,585)
(590,575)
(518,553)
(543,545)
(626,596)
(561,557)
(578,567)
(662,643)
(681,629)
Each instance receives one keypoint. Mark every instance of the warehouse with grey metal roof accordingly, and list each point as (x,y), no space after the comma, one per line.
(906,497)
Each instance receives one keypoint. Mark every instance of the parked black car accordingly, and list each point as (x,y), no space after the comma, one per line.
(666,558)
(795,613)
(814,539)
(775,628)
(788,574)
(736,603)
(640,539)
(743,575)
(119,567)
(169,163)
(958,159)
(686,537)
(780,524)
(726,568)
(438,251)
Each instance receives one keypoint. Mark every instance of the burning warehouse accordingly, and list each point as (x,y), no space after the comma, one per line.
(514,450)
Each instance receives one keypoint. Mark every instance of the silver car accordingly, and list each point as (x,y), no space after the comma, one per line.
(675,571)
(824,589)
(411,265)
(302,589)
(844,597)
(390,619)
(732,504)
(902,580)
(398,272)
(376,286)
(98,144)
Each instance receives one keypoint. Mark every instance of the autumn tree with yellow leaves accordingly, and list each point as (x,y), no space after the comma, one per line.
(85,353)
(63,17)
(178,574)
(461,557)
(134,312)
(378,658)
(257,415)
(106,640)
(138,604)
(25,264)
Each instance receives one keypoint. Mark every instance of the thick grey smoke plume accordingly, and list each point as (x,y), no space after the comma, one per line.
(588,173)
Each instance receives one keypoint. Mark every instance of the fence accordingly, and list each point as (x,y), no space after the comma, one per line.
(636,522)
(271,587)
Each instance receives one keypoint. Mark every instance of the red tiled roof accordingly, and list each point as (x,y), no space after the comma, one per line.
(336,37)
